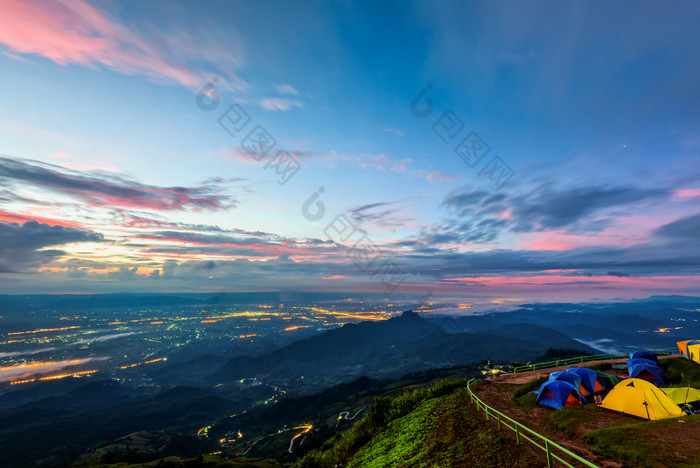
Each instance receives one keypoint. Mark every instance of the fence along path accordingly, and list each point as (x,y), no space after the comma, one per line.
(580,359)
(552,450)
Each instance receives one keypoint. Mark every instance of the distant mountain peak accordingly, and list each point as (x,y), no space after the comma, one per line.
(409,314)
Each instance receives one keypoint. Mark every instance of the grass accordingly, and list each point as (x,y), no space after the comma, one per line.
(680,372)
(531,386)
(669,442)
(623,443)
(400,442)
(527,401)
(340,448)
(204,461)
(568,419)
(447,431)
(431,427)
(524,398)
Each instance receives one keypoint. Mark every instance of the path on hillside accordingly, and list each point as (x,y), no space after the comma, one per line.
(499,395)
(525,377)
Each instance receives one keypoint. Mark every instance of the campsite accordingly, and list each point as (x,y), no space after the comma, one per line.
(611,412)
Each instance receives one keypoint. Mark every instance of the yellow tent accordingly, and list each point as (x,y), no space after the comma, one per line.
(640,398)
(683,348)
(682,395)
(694,352)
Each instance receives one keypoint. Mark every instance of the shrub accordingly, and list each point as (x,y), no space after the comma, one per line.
(340,448)
(679,371)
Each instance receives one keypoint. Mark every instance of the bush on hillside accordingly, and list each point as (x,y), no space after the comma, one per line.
(679,372)
(339,448)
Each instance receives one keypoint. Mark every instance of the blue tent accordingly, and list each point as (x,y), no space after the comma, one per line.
(647,370)
(644,354)
(557,393)
(575,380)
(590,378)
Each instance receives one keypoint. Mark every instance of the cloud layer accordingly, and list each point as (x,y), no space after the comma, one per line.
(103,189)
(76,32)
(23,246)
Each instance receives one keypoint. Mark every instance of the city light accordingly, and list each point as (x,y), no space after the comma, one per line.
(129,366)
(54,377)
(43,330)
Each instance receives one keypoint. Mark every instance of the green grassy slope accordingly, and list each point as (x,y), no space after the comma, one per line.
(434,426)
(204,461)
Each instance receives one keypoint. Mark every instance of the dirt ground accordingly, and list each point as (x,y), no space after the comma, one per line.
(499,395)
(676,440)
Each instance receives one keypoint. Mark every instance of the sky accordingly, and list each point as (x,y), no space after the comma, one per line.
(514,151)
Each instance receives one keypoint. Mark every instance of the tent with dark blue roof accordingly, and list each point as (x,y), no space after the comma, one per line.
(573,379)
(590,378)
(647,370)
(644,354)
(558,393)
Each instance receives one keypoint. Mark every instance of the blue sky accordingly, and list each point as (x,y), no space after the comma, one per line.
(114,179)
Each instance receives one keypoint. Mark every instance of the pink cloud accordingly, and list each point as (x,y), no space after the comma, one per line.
(93,166)
(624,231)
(435,176)
(686,193)
(383,162)
(333,277)
(380,162)
(286,88)
(539,287)
(240,155)
(547,241)
(75,32)
(525,283)
(10,217)
(279,104)
(264,248)
(87,165)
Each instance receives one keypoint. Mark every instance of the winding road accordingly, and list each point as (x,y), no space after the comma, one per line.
(345,415)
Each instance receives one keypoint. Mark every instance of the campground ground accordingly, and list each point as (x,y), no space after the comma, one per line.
(605,438)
